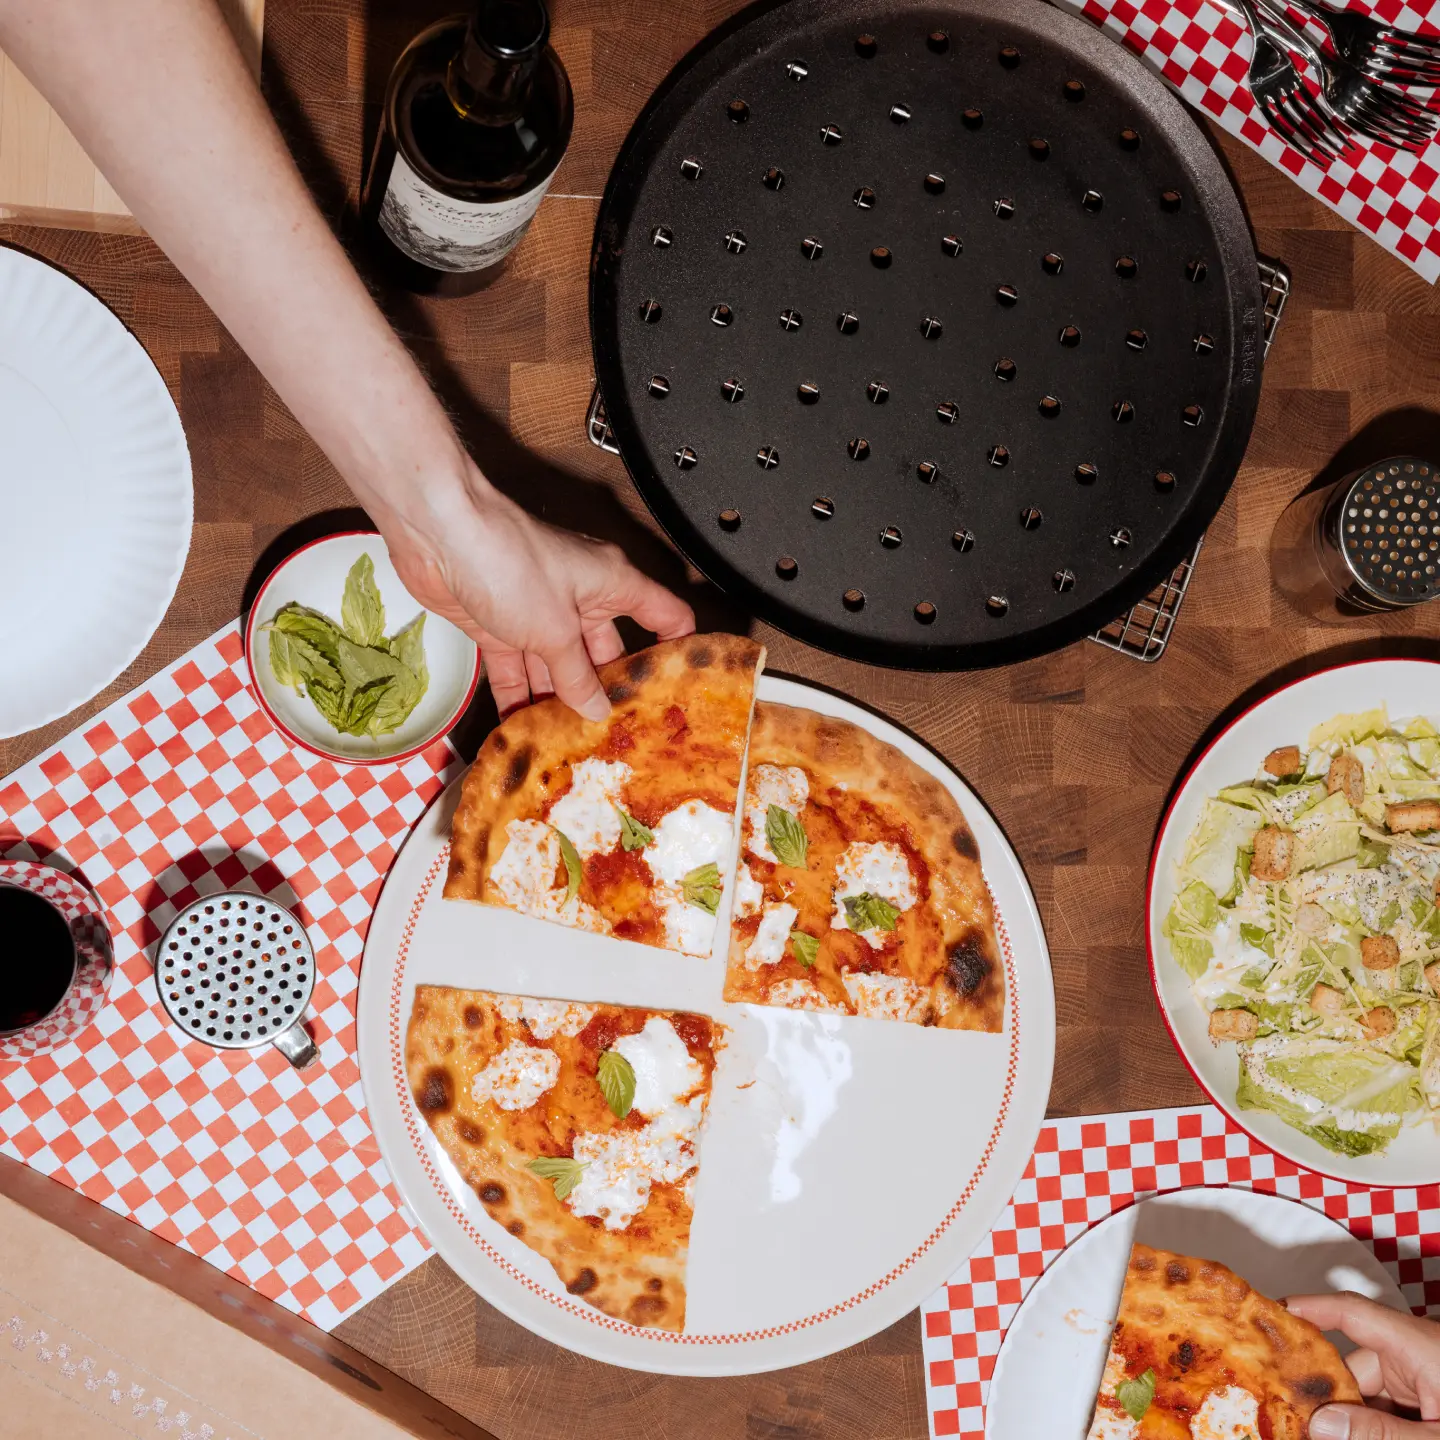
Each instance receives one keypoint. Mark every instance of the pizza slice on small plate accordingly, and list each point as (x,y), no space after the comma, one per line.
(1198,1355)
(859,887)
(578,1126)
(623,826)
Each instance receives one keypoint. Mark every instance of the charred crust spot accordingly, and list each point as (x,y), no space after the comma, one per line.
(1318,1388)
(967,966)
(1176,1272)
(654,1283)
(471,1017)
(647,1307)
(619,692)
(1184,1357)
(700,656)
(964,843)
(436,1093)
(516,1228)
(584,1282)
(470,1134)
(492,1193)
(499,743)
(1143,1263)
(738,658)
(641,666)
(518,769)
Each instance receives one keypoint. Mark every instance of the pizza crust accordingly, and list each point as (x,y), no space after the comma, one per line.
(953,953)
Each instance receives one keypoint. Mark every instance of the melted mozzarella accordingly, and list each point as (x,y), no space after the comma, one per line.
(524,877)
(688,928)
(587,812)
(545,1017)
(1230,1413)
(517,1077)
(787,786)
(801,995)
(879,869)
(691,835)
(768,946)
(749,893)
(886,997)
(622,1165)
(664,1068)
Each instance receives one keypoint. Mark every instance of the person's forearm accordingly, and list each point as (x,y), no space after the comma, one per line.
(157,93)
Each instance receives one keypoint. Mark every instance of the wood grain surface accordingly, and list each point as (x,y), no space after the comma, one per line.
(1075,753)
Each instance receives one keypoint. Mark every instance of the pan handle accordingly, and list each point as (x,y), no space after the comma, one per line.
(597,427)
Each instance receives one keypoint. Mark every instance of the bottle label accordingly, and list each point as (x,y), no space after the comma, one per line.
(453,235)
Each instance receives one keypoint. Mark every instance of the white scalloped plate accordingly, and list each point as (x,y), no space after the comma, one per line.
(95,495)
(848,1165)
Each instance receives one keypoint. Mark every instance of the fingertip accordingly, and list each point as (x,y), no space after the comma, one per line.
(597,707)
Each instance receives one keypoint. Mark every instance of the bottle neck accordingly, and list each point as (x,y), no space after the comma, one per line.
(489,78)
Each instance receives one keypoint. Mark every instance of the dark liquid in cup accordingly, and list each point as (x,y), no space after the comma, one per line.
(37,958)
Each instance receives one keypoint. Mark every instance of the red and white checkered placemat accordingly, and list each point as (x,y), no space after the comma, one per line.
(272,1174)
(1203,50)
(1086,1168)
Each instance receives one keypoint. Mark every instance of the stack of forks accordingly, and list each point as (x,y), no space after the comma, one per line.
(1364,72)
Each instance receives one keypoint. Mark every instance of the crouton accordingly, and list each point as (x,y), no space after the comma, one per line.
(1379,952)
(1432,975)
(1378,1023)
(1327,1000)
(1232,1025)
(1274,850)
(1347,776)
(1284,761)
(1412,816)
(1312,919)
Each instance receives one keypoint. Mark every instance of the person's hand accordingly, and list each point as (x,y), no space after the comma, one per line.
(1398,1360)
(540,602)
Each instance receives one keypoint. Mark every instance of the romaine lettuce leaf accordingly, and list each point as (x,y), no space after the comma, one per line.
(1347,729)
(1223,831)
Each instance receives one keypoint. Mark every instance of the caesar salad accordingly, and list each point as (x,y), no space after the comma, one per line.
(1306,918)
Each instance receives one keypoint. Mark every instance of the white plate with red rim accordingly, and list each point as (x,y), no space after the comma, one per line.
(1286,717)
(1051,1361)
(315,576)
(864,1163)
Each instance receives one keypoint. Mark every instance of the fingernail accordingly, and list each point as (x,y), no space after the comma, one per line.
(597,707)
(1330,1424)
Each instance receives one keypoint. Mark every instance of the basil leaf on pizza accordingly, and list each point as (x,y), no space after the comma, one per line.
(786,836)
(561,1169)
(701,887)
(806,947)
(1135,1395)
(869,912)
(634,835)
(617,1082)
(571,856)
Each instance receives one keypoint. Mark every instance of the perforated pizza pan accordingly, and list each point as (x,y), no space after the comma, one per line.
(932,333)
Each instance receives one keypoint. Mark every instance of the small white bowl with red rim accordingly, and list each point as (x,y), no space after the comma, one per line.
(1285,717)
(315,576)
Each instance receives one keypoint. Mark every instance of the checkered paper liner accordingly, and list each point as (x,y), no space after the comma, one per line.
(1203,50)
(180,790)
(1085,1169)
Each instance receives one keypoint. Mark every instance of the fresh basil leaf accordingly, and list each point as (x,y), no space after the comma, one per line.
(869,912)
(571,856)
(283,663)
(329,700)
(701,887)
(617,1082)
(310,625)
(786,837)
(362,612)
(561,1169)
(806,947)
(407,645)
(361,707)
(362,666)
(634,835)
(1135,1395)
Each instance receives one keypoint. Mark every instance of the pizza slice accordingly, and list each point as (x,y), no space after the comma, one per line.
(1197,1353)
(859,887)
(578,1126)
(623,826)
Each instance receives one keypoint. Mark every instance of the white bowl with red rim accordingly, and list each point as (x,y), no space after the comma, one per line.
(315,576)
(1285,717)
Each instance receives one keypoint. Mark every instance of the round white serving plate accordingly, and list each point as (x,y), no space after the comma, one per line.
(314,576)
(95,495)
(1408,687)
(847,1166)
(1050,1364)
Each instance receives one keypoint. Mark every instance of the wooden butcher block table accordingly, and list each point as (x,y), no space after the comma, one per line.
(1074,753)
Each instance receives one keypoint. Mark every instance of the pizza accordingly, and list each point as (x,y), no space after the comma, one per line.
(578,1127)
(859,887)
(1198,1355)
(623,826)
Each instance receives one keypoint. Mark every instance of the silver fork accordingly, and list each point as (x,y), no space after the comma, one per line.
(1358,99)
(1384,53)
(1304,121)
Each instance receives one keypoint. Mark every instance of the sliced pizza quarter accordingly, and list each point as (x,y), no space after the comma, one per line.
(1197,1353)
(859,888)
(623,826)
(578,1126)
